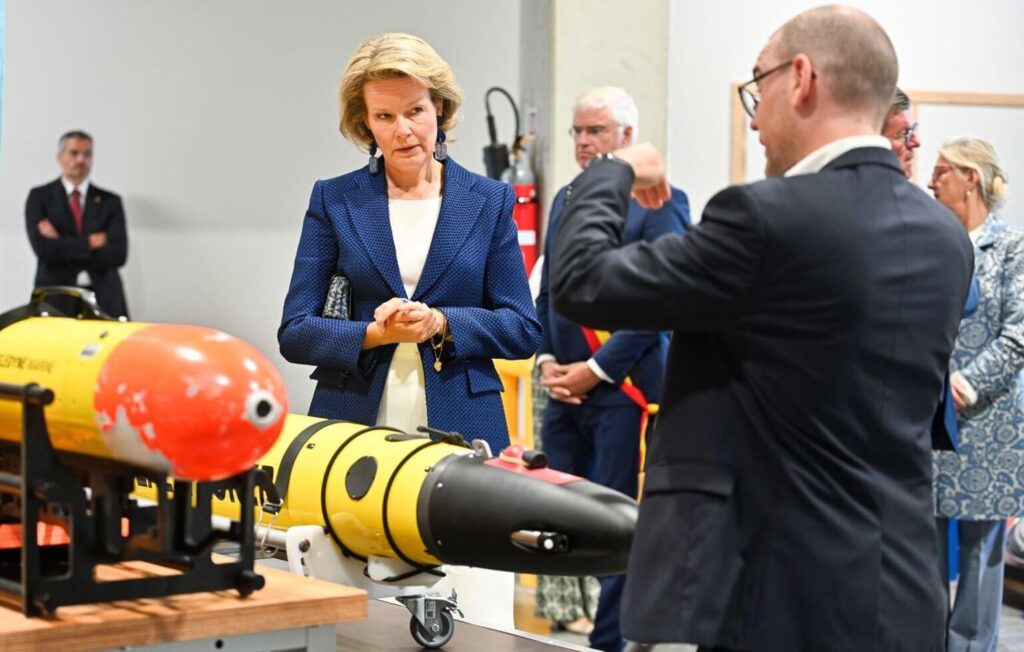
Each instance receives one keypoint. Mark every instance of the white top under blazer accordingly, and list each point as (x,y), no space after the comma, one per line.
(404,402)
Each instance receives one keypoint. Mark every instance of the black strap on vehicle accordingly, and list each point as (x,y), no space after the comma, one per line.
(328,527)
(418,568)
(20,313)
(276,497)
(15,315)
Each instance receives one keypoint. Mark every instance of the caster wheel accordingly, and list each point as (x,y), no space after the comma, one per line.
(433,640)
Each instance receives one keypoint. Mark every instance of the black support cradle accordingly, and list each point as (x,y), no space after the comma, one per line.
(107,526)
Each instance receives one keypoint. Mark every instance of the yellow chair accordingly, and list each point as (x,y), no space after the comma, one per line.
(517,399)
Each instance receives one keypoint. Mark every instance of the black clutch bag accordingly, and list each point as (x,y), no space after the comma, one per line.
(339,298)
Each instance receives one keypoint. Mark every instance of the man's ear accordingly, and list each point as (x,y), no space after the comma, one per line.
(803,79)
(627,136)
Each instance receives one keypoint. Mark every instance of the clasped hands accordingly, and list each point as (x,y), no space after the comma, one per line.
(400,320)
(568,383)
(47,230)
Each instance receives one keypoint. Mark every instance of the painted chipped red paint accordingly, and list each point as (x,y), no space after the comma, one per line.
(209,403)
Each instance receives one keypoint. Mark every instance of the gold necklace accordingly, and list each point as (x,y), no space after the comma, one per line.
(437,347)
(437,342)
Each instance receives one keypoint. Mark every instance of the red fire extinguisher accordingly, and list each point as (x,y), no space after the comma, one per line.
(520,176)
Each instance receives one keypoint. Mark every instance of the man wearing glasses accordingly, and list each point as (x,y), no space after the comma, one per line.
(901,130)
(602,386)
(787,502)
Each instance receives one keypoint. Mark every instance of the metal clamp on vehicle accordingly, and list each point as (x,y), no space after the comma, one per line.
(553,542)
(453,438)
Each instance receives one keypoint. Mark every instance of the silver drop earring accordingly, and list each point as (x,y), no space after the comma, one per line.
(374,162)
(440,149)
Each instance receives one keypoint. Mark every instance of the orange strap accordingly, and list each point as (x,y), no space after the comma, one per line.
(595,339)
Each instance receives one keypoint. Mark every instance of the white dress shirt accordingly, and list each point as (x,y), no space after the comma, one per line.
(819,158)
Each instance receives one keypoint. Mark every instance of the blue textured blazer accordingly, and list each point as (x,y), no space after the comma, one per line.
(639,354)
(473,273)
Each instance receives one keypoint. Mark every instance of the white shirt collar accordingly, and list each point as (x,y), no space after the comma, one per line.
(819,158)
(68,187)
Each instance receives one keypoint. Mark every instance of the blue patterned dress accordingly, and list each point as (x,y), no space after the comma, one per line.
(985,481)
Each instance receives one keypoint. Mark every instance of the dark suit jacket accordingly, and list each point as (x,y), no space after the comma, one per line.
(473,273)
(945,431)
(788,501)
(62,259)
(641,354)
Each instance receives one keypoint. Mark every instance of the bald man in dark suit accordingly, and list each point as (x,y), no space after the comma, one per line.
(788,501)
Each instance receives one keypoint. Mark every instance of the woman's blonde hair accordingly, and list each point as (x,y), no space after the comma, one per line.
(390,56)
(979,155)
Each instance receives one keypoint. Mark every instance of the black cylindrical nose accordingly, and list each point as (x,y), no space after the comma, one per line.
(579,528)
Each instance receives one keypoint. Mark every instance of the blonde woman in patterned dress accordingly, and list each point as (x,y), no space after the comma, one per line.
(984,484)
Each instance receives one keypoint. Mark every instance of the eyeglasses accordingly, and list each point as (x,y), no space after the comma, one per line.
(906,135)
(750,96)
(592,131)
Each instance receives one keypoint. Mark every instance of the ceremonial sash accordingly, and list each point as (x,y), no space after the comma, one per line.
(595,339)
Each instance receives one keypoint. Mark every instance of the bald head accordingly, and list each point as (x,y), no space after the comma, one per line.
(851,53)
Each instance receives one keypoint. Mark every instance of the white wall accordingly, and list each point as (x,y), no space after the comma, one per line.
(606,43)
(213,120)
(570,46)
(942,46)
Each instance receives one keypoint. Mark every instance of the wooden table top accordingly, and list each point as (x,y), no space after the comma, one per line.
(286,602)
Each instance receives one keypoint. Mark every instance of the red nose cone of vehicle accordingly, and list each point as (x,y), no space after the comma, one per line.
(208,403)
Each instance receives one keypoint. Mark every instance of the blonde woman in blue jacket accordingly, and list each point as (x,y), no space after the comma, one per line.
(429,249)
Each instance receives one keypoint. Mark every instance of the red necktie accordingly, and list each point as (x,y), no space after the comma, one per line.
(76,209)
